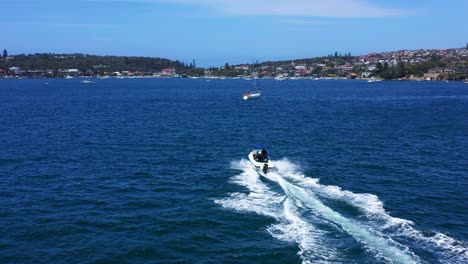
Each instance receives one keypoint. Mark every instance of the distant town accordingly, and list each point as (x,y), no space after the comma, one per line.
(422,64)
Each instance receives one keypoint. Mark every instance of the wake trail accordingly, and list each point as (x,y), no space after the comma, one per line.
(376,243)
(290,227)
(296,203)
(447,249)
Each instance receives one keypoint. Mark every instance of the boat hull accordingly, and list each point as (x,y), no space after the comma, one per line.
(259,164)
(251,96)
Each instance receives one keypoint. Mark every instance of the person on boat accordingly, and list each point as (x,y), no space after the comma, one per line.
(264,155)
(258,156)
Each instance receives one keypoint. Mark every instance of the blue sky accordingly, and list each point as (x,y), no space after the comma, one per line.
(214,32)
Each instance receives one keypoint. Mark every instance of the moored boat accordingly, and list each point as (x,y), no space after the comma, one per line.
(255,91)
(252,95)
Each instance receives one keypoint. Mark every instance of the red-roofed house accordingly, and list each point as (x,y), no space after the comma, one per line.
(353,75)
(168,72)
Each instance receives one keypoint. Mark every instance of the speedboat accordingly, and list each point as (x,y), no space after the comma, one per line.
(252,95)
(259,159)
(87,81)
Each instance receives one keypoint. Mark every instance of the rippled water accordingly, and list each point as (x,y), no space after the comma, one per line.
(155,170)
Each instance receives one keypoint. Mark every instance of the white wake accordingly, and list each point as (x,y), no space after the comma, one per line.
(296,202)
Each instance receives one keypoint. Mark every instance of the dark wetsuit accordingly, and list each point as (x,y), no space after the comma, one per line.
(264,155)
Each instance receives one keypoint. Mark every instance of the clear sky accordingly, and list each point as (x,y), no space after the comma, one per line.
(214,32)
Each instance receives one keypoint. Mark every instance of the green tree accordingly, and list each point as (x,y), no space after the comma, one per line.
(317,70)
(357,69)
(402,69)
(5,53)
(380,68)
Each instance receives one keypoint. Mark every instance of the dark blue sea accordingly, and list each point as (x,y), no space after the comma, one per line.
(156,171)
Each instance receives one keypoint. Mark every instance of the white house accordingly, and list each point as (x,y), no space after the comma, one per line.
(72,72)
(15,70)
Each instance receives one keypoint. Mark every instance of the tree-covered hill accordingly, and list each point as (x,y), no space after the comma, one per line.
(96,64)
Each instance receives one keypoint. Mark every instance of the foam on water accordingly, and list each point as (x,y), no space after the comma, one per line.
(378,232)
(383,248)
(289,226)
(260,199)
(446,248)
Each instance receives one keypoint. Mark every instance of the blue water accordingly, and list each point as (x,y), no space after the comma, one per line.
(155,170)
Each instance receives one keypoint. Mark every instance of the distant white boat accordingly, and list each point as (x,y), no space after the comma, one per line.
(255,89)
(373,79)
(255,93)
(280,77)
(87,81)
(68,77)
(252,95)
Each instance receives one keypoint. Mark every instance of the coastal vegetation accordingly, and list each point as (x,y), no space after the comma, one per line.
(449,64)
(53,65)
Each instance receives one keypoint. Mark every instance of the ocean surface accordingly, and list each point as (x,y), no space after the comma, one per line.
(156,171)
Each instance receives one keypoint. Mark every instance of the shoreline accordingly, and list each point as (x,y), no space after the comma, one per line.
(229,78)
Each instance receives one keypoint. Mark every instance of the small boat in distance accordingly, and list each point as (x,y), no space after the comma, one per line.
(280,77)
(87,81)
(259,159)
(252,95)
(256,90)
(254,87)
